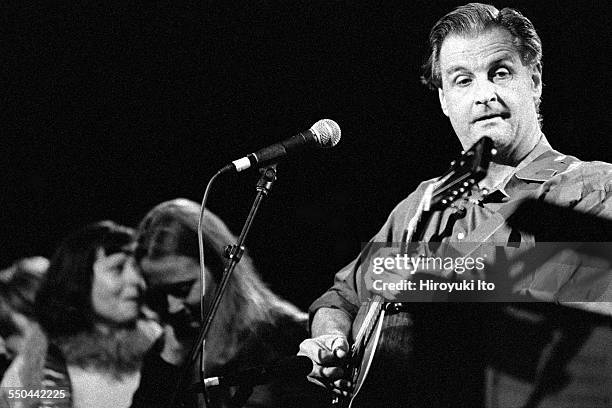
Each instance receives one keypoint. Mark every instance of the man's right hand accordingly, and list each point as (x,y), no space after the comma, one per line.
(328,354)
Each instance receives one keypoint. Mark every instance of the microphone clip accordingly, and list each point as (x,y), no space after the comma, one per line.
(268,177)
(233,251)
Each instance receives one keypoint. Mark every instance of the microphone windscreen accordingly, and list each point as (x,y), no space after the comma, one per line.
(327,133)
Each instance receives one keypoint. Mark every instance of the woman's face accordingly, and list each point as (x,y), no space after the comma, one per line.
(174,291)
(116,293)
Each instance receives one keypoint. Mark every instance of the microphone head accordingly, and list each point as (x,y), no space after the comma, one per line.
(327,133)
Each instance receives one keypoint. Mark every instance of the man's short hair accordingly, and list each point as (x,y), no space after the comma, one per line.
(474,18)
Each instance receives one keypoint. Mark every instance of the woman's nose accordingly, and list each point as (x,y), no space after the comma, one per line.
(175,304)
(132,274)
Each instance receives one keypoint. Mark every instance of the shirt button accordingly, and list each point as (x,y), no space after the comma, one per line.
(460,235)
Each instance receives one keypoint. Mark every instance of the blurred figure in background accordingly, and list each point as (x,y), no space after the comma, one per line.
(89,308)
(18,286)
(253,326)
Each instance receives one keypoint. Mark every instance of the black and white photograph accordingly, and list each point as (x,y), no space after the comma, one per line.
(306,204)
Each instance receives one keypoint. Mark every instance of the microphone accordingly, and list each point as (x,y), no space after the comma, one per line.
(291,367)
(325,133)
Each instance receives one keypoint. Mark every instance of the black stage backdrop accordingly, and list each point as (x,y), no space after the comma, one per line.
(111,108)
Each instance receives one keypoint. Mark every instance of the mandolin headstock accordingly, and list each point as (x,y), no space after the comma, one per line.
(463,174)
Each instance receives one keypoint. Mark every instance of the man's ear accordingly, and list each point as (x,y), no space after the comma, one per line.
(442,101)
(536,81)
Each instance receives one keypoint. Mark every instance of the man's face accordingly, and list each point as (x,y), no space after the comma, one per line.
(487,91)
(173,291)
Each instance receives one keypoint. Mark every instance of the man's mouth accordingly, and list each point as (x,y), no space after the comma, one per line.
(501,115)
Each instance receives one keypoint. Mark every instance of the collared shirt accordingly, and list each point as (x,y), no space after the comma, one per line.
(544,174)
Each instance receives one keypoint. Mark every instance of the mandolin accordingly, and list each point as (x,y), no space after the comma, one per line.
(381,327)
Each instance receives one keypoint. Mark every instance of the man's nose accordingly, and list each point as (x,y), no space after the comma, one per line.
(485,91)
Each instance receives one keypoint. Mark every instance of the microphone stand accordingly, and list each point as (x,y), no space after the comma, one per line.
(234,254)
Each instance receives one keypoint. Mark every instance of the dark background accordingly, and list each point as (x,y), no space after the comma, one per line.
(109,109)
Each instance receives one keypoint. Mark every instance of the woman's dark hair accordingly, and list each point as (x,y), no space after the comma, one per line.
(18,286)
(63,304)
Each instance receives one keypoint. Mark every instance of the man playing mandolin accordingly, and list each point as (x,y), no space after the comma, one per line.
(486,67)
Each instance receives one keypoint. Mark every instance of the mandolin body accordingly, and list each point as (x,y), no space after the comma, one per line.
(391,366)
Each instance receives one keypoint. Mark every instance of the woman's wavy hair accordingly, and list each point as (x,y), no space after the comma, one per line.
(63,305)
(171,228)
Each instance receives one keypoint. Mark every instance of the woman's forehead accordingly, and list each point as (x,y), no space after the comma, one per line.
(109,260)
(170,269)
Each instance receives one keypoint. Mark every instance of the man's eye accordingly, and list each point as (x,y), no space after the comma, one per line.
(463,80)
(501,74)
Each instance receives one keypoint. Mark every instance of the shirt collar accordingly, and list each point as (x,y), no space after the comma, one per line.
(530,169)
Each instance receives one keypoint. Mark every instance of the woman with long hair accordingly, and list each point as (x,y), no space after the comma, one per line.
(253,326)
(94,336)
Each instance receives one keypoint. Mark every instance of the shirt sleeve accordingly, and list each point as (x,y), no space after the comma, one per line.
(585,187)
(348,291)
